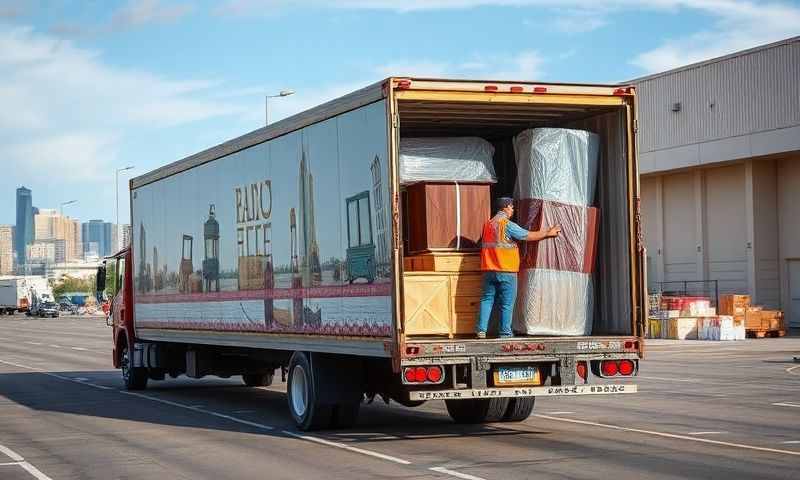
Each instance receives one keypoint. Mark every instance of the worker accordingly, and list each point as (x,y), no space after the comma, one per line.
(500,264)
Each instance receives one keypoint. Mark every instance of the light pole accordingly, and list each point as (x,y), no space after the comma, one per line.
(282,93)
(64,204)
(116,186)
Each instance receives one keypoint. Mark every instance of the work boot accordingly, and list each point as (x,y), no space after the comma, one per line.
(481,335)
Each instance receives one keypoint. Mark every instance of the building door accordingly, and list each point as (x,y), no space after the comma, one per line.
(794,294)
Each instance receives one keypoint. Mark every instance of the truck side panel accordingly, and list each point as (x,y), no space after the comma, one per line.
(288,236)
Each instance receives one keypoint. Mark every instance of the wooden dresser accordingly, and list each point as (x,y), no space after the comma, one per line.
(442,293)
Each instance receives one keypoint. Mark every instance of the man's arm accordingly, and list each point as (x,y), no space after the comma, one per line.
(518,233)
(548,232)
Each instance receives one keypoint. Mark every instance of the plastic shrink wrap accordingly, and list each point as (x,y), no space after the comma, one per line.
(446,159)
(556,178)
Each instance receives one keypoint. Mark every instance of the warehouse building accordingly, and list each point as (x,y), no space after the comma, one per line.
(719,153)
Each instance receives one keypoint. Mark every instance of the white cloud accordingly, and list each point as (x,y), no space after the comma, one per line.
(65,110)
(522,66)
(579,21)
(141,12)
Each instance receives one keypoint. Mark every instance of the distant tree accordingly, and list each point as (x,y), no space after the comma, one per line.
(69,284)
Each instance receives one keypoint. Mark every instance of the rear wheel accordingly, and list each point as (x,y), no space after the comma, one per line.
(519,409)
(302,396)
(135,378)
(477,410)
(258,379)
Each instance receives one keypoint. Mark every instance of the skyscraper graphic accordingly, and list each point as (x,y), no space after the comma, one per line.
(379,210)
(310,268)
(25,229)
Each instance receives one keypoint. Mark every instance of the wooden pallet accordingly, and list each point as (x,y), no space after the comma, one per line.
(765,333)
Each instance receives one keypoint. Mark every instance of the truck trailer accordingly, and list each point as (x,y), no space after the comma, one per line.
(287,249)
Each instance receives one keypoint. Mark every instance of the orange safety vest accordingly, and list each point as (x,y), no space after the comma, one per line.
(499,253)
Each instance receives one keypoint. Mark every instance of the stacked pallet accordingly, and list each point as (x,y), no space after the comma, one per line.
(758,322)
(690,318)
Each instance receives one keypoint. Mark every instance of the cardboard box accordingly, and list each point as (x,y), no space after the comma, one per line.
(654,328)
(772,319)
(681,328)
(731,304)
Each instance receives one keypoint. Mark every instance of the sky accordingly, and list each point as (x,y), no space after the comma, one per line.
(87,87)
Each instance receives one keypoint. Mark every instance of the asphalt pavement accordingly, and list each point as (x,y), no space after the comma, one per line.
(704,410)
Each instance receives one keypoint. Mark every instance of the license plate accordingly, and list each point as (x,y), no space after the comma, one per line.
(516,376)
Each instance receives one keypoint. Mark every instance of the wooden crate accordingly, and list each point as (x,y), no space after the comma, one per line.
(427,304)
(731,304)
(424,313)
(654,327)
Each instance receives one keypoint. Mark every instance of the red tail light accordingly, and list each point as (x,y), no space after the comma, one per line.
(490,88)
(434,374)
(420,374)
(403,84)
(581,369)
(626,367)
(409,375)
(609,368)
(516,89)
(539,89)
(427,375)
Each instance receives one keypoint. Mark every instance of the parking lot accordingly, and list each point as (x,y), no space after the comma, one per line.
(704,410)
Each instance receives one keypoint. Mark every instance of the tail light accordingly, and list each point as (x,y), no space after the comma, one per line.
(539,89)
(613,368)
(433,374)
(516,89)
(490,88)
(626,367)
(581,369)
(609,368)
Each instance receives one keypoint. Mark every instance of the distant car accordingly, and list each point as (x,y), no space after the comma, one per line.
(68,308)
(48,309)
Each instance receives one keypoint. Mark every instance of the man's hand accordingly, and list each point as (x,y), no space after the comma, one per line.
(554,231)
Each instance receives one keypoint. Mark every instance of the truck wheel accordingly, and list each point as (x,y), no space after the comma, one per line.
(519,409)
(135,378)
(477,410)
(302,396)
(258,379)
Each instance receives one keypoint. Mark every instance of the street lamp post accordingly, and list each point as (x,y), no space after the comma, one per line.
(116,186)
(282,93)
(64,204)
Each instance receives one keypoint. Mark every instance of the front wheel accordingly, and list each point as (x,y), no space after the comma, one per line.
(477,410)
(135,378)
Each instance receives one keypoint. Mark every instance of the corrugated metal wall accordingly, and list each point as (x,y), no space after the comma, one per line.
(752,92)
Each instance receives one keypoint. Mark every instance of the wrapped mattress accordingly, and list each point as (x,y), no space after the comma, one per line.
(556,183)
(446,159)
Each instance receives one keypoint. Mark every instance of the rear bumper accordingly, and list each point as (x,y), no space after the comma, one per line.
(551,391)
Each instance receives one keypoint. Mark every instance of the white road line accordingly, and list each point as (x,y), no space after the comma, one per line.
(791,442)
(706,433)
(55,375)
(671,435)
(669,379)
(791,370)
(11,454)
(370,453)
(560,413)
(54,346)
(9,464)
(453,473)
(786,404)
(80,349)
(34,343)
(20,462)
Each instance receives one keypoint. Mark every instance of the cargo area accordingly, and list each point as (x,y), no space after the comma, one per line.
(441,279)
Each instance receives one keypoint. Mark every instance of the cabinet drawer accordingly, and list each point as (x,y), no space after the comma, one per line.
(464,323)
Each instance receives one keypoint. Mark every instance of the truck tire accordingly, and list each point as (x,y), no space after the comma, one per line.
(302,395)
(258,379)
(519,409)
(477,410)
(135,378)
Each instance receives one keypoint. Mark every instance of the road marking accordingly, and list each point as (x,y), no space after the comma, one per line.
(792,369)
(20,462)
(671,435)
(80,349)
(55,375)
(668,379)
(54,346)
(34,343)
(706,433)
(560,413)
(786,404)
(362,451)
(447,471)
(791,442)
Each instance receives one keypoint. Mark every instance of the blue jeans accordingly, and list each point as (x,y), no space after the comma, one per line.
(502,285)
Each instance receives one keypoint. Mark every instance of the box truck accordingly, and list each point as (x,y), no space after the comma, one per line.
(287,249)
